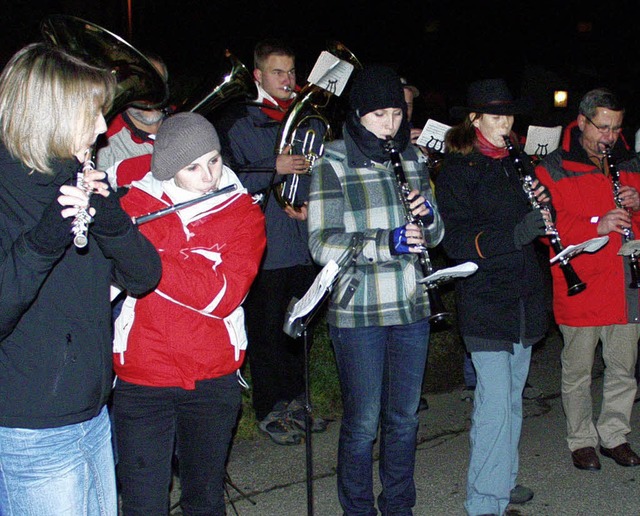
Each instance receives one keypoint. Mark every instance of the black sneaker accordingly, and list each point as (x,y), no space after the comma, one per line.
(520,494)
(279,427)
(296,412)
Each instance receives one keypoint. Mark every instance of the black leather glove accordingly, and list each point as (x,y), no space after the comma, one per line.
(531,226)
(110,219)
(52,234)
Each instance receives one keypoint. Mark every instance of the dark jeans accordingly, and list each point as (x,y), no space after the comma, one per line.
(380,369)
(149,420)
(275,359)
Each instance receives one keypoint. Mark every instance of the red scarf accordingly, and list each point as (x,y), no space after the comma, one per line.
(487,148)
(276,114)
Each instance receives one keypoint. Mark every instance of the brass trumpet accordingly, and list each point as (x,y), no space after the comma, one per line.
(309,104)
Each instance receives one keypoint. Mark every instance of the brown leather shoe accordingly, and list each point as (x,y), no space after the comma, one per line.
(586,458)
(622,454)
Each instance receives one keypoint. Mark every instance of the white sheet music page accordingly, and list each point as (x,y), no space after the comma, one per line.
(330,73)
(542,140)
(314,294)
(432,135)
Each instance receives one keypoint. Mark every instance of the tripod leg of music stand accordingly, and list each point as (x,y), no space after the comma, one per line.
(307,425)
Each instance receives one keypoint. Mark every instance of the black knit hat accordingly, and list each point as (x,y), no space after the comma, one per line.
(491,96)
(181,139)
(376,87)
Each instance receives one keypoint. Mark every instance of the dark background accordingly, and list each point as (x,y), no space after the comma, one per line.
(538,46)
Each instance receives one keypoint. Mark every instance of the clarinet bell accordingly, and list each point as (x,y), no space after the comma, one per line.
(438,311)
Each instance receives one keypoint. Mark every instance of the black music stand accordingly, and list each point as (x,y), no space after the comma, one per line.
(297,327)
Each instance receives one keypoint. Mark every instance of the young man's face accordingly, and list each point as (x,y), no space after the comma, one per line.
(277,76)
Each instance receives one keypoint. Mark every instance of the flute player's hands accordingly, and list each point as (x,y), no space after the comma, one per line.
(110,219)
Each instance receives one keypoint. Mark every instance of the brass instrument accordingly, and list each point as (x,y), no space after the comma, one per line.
(438,311)
(138,83)
(614,173)
(237,82)
(309,104)
(574,284)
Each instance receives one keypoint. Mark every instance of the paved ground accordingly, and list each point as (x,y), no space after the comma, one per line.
(274,477)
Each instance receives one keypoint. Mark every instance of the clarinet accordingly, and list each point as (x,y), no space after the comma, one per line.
(80,226)
(628,235)
(574,284)
(438,311)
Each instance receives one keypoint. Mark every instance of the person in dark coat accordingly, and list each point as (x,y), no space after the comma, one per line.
(501,308)
(55,316)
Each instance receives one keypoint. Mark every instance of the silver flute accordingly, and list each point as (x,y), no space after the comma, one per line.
(80,226)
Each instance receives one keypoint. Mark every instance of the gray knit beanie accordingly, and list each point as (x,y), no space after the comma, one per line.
(181,139)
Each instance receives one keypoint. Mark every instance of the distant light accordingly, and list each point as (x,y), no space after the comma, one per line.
(560,98)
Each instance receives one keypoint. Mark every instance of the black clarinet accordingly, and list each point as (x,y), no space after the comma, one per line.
(574,284)
(438,311)
(628,235)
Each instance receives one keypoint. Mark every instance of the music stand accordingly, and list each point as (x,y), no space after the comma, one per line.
(300,313)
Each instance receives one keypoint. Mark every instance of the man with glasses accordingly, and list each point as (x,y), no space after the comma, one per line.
(608,309)
(249,135)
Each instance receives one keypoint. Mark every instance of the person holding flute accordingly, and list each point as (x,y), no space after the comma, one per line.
(178,350)
(501,308)
(589,202)
(55,320)
(378,313)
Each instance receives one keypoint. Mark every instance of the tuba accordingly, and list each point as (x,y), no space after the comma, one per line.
(237,82)
(138,83)
(309,104)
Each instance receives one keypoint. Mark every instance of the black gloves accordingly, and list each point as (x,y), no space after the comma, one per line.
(52,234)
(531,226)
(110,219)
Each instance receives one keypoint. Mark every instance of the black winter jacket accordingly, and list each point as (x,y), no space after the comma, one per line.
(481,201)
(55,313)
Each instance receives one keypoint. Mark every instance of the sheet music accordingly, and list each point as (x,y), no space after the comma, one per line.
(330,73)
(450,273)
(432,135)
(542,140)
(589,246)
(316,291)
(629,248)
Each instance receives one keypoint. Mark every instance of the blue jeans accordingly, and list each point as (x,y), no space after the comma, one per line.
(58,471)
(380,369)
(495,428)
(149,420)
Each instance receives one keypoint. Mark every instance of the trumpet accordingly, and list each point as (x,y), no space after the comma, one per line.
(438,311)
(310,103)
(628,235)
(286,193)
(574,284)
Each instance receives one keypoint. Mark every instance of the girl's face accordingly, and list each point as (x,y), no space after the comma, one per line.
(85,138)
(384,123)
(202,175)
(493,127)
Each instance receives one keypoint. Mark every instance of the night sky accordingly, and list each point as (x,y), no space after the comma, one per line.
(441,46)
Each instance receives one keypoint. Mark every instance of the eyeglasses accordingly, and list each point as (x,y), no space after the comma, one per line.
(604,129)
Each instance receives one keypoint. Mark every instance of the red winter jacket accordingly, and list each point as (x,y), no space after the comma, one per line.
(581,194)
(191,327)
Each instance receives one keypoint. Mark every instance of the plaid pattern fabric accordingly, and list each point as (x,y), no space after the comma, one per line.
(380,289)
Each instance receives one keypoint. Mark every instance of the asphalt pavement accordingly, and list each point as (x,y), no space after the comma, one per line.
(271,480)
